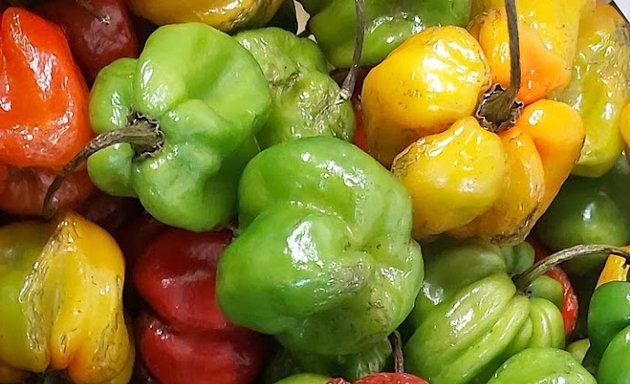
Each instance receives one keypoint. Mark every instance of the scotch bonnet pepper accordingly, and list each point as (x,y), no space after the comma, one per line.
(182,119)
(339,272)
(44,114)
(468,321)
(389,23)
(508,168)
(305,98)
(61,286)
(226,15)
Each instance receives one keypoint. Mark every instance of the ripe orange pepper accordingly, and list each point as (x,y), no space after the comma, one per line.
(44,112)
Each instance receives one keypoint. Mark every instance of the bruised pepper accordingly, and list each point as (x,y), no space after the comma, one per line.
(43,114)
(61,285)
(492,176)
(226,15)
(177,125)
(599,87)
(340,271)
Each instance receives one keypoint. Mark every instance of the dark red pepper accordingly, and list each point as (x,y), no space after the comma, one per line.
(188,339)
(94,42)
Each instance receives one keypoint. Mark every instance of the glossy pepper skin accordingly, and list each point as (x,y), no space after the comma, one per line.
(188,339)
(226,15)
(389,24)
(468,321)
(609,333)
(304,95)
(542,365)
(340,271)
(599,87)
(61,285)
(44,116)
(94,43)
(589,211)
(208,107)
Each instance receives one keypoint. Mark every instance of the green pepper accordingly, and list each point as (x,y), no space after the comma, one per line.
(470,318)
(339,271)
(609,333)
(589,211)
(304,378)
(350,367)
(187,110)
(599,87)
(578,349)
(304,95)
(389,23)
(542,365)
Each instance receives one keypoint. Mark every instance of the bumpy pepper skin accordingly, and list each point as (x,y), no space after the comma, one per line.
(340,271)
(389,24)
(589,211)
(94,43)
(427,84)
(189,340)
(44,117)
(599,88)
(226,15)
(208,107)
(62,301)
(304,95)
(543,366)
(548,31)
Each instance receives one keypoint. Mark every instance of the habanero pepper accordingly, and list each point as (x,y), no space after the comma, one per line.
(340,271)
(389,24)
(43,114)
(98,33)
(226,15)
(469,321)
(609,327)
(177,125)
(507,173)
(61,284)
(187,339)
(599,87)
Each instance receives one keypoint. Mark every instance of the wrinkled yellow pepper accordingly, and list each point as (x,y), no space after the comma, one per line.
(226,15)
(61,287)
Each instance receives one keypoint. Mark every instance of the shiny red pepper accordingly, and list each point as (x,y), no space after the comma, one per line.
(99,31)
(187,339)
(43,113)
(570,305)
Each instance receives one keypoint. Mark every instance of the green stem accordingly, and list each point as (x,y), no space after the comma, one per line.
(500,108)
(143,135)
(350,82)
(523,280)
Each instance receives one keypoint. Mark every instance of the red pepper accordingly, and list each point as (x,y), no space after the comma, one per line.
(43,112)
(570,306)
(95,43)
(384,378)
(188,339)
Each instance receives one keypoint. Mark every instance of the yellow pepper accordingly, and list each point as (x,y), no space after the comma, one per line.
(491,177)
(599,87)
(616,269)
(624,126)
(226,15)
(61,288)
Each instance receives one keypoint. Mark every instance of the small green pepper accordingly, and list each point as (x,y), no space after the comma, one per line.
(187,110)
(304,378)
(339,271)
(389,23)
(305,97)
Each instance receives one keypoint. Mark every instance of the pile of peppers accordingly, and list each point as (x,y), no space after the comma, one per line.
(314,192)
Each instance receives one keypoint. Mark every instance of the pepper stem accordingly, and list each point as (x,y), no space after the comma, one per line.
(399,359)
(499,108)
(89,7)
(143,134)
(523,280)
(350,82)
